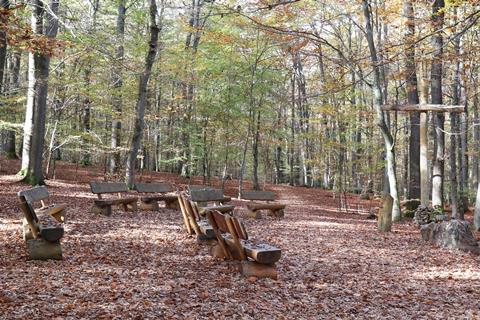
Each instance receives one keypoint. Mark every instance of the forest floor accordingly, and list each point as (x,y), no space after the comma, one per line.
(144,265)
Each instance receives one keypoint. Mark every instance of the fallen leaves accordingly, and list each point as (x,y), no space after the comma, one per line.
(143,265)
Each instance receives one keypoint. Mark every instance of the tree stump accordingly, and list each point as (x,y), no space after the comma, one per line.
(40,249)
(254,269)
(453,234)
(149,206)
(254,214)
(384,222)
(106,210)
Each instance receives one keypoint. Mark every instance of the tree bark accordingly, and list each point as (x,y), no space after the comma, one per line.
(4,5)
(40,63)
(117,80)
(438,16)
(412,98)
(380,118)
(142,94)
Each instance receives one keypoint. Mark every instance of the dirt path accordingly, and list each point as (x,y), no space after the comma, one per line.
(334,265)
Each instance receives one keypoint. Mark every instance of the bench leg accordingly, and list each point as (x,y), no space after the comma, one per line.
(255,214)
(217,252)
(255,269)
(130,207)
(39,249)
(149,206)
(280,213)
(106,210)
(59,216)
(27,233)
(172,204)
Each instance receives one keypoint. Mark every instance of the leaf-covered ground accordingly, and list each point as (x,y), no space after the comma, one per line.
(144,266)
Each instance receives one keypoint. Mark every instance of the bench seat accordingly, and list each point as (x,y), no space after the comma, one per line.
(111,202)
(260,252)
(164,197)
(57,211)
(265,206)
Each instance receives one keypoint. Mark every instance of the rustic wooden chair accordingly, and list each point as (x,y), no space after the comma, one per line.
(42,233)
(254,207)
(194,223)
(104,206)
(157,192)
(40,193)
(257,259)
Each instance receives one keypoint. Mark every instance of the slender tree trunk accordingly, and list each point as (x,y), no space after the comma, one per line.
(436,98)
(142,94)
(40,62)
(256,138)
(387,137)
(117,80)
(12,87)
(4,5)
(412,98)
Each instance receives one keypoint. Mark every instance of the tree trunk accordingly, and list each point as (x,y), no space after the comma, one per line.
(436,96)
(387,137)
(117,80)
(4,5)
(38,82)
(412,98)
(142,94)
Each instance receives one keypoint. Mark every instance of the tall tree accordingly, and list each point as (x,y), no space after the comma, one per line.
(117,81)
(412,98)
(380,116)
(142,93)
(38,72)
(438,16)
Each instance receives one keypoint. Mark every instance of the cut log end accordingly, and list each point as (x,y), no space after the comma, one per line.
(254,269)
(40,249)
(254,214)
(106,210)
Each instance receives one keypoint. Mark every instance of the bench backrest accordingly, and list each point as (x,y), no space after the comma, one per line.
(258,195)
(205,195)
(108,187)
(237,230)
(34,194)
(154,187)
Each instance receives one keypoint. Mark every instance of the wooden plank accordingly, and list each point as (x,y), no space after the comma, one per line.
(165,197)
(223,209)
(267,206)
(206,229)
(50,233)
(206,195)
(34,194)
(30,216)
(260,252)
(154,187)
(110,202)
(194,187)
(423,108)
(258,195)
(108,187)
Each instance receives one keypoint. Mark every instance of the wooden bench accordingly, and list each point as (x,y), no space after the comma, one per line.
(197,187)
(150,202)
(274,209)
(204,196)
(104,206)
(257,259)
(42,233)
(194,223)
(40,193)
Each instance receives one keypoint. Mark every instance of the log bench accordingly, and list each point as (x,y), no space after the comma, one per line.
(256,259)
(104,206)
(40,193)
(42,232)
(197,187)
(254,208)
(194,223)
(205,196)
(157,192)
